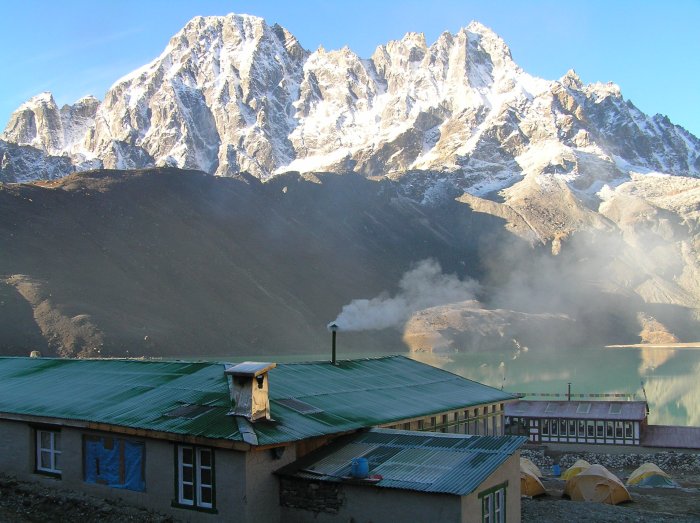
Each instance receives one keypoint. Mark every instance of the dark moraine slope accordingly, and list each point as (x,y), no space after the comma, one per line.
(166,262)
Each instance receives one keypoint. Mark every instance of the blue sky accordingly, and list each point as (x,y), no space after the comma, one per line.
(650,48)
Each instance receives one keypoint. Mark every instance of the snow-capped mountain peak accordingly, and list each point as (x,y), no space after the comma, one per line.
(232,93)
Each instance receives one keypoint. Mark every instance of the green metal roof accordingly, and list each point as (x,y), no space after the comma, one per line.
(421,461)
(140,393)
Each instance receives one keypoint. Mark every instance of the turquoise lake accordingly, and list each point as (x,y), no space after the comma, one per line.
(670,377)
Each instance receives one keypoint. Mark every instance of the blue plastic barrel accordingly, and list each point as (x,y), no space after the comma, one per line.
(359,468)
(556,471)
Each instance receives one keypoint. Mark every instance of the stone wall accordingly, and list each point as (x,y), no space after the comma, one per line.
(314,496)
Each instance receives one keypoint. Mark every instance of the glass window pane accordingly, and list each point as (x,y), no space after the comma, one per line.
(45,460)
(187,455)
(206,476)
(187,474)
(45,439)
(206,495)
(57,461)
(205,458)
(57,441)
(187,492)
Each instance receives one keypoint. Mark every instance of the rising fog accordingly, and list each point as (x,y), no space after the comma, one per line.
(423,286)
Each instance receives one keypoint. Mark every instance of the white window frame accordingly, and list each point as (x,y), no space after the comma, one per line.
(197,484)
(487,516)
(499,509)
(181,483)
(493,506)
(201,486)
(53,451)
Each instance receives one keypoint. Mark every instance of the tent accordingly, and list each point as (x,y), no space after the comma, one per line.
(598,484)
(529,466)
(530,485)
(574,469)
(649,475)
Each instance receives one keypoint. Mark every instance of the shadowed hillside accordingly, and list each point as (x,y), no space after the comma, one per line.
(167,262)
(177,263)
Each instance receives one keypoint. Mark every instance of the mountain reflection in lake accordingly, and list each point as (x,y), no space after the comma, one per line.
(670,376)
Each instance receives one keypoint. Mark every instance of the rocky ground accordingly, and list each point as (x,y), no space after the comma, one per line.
(648,504)
(22,502)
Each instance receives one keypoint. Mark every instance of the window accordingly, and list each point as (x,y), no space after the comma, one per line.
(590,428)
(618,429)
(545,427)
(195,477)
(493,504)
(583,408)
(48,451)
(420,424)
(628,429)
(581,428)
(114,462)
(615,408)
(599,429)
(572,428)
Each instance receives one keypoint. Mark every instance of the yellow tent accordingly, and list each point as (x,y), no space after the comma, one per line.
(574,469)
(596,483)
(529,466)
(530,485)
(649,475)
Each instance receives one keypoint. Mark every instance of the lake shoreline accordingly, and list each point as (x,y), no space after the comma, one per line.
(692,345)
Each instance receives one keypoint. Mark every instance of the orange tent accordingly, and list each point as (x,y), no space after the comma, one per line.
(574,469)
(597,483)
(650,475)
(526,464)
(530,485)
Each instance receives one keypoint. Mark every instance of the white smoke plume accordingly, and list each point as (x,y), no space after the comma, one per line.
(421,287)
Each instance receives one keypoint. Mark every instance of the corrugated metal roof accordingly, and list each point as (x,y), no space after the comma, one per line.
(671,437)
(422,461)
(598,410)
(136,393)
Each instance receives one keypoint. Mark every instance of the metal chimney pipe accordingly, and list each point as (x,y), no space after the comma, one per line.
(568,393)
(334,329)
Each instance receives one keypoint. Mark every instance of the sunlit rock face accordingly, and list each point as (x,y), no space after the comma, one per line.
(231,94)
(575,171)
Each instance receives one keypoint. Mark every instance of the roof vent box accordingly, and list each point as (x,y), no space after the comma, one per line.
(250,392)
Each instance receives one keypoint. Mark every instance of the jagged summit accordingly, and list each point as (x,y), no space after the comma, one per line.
(232,93)
(456,153)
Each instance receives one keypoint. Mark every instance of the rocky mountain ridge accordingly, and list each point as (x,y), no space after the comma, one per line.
(556,196)
(231,94)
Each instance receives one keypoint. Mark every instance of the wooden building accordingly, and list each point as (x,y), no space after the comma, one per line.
(592,422)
